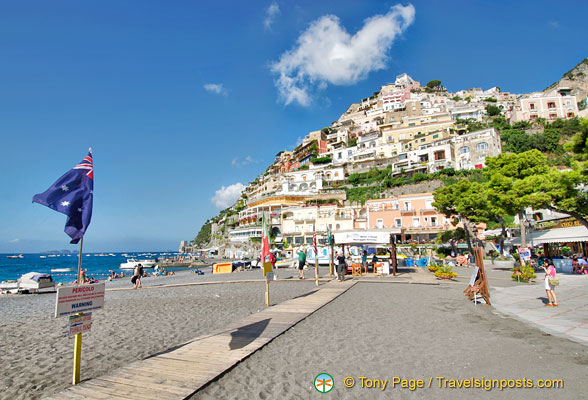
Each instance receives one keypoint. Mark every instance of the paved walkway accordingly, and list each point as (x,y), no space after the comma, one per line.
(527,303)
(181,371)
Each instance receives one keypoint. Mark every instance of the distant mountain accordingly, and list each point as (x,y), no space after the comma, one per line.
(575,79)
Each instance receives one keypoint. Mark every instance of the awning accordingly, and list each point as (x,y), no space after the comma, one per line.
(365,237)
(560,235)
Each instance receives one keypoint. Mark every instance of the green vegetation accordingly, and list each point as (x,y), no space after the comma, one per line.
(490,99)
(435,84)
(352,142)
(321,160)
(493,110)
(203,236)
(456,98)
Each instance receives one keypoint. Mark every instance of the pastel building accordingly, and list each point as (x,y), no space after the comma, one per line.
(409,217)
(555,104)
(299,223)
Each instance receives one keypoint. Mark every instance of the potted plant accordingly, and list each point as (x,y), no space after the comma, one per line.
(433,268)
(445,272)
(522,273)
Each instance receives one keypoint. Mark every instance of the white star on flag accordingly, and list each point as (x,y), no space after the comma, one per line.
(65,203)
(79,210)
(65,188)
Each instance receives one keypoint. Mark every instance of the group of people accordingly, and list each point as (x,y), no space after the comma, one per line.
(579,265)
(340,261)
(84,278)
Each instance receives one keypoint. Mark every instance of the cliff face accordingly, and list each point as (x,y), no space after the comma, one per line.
(575,79)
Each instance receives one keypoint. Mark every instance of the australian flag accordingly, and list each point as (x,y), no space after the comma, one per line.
(72,195)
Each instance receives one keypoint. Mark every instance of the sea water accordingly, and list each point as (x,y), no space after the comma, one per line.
(98,265)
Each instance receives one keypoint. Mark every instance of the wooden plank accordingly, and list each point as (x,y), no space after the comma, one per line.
(181,372)
(132,381)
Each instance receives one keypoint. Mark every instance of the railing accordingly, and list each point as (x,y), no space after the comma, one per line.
(407,211)
(342,217)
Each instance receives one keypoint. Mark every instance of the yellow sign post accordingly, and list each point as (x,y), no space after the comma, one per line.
(267,272)
(77,358)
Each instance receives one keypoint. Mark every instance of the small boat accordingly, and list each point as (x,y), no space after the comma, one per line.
(62,269)
(132,263)
(42,256)
(29,282)
(16,256)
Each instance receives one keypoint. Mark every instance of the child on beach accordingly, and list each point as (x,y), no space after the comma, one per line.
(549,288)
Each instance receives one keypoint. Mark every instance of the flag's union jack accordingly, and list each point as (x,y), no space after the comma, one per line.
(87,164)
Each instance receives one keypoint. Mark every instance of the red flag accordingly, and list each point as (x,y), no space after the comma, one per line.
(265,245)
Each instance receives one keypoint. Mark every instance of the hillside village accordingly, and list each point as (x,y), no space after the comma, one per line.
(376,166)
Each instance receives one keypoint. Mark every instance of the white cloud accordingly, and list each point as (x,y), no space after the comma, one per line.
(271,13)
(246,161)
(227,196)
(554,24)
(216,88)
(327,54)
(14,241)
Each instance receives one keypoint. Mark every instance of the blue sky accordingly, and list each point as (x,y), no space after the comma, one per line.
(182,99)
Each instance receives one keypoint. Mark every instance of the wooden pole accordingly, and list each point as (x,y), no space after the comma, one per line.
(267,299)
(77,359)
(393,254)
(331,260)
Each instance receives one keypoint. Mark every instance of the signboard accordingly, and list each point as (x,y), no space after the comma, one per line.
(362,237)
(474,276)
(269,276)
(79,324)
(556,224)
(525,253)
(267,268)
(77,299)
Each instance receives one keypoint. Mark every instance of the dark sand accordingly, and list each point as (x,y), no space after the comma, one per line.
(381,331)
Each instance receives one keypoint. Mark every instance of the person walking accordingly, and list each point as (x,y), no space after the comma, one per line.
(301,262)
(549,287)
(364,261)
(137,274)
(341,267)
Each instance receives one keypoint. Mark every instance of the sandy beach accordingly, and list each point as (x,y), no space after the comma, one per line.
(379,330)
(37,353)
(376,330)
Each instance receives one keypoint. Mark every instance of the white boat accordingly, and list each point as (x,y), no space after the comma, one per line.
(62,269)
(31,282)
(16,256)
(132,263)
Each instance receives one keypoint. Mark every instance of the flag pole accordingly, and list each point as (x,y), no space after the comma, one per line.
(78,338)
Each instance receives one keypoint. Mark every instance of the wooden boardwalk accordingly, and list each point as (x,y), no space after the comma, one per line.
(180,372)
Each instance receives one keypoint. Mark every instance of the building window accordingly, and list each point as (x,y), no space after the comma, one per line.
(380,223)
(398,222)
(531,106)
(440,155)
(482,146)
(416,221)
(464,150)
(435,136)
(337,227)
(339,156)
(550,105)
(433,221)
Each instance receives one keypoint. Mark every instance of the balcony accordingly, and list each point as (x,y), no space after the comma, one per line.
(342,217)
(304,219)
(407,211)
(426,210)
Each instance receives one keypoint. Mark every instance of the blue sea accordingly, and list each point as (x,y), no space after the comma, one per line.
(97,264)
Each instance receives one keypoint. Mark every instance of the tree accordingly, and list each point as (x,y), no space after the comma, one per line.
(463,201)
(434,84)
(518,181)
(493,110)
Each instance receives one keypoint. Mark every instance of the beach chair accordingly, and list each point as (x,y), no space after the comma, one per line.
(356,269)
